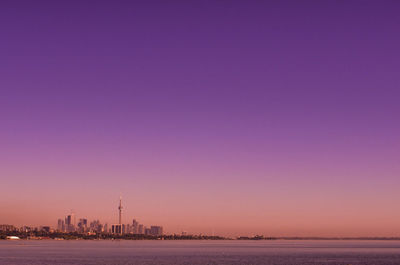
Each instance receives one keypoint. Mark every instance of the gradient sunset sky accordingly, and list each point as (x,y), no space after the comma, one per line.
(239,117)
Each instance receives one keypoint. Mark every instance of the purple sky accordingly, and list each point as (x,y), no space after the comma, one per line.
(240,117)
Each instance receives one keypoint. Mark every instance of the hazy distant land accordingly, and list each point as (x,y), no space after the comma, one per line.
(40,235)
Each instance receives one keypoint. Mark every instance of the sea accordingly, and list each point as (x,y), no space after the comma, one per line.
(224,252)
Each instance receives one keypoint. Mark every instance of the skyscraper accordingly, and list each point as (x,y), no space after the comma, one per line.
(69,226)
(140,229)
(82,225)
(116,229)
(135,227)
(60,225)
(68,220)
(156,230)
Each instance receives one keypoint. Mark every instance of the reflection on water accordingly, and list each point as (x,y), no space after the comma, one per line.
(200,252)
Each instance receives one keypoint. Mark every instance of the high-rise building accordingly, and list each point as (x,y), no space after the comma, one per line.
(73,219)
(82,225)
(69,226)
(116,229)
(156,230)
(60,225)
(128,229)
(95,226)
(140,229)
(135,227)
(68,220)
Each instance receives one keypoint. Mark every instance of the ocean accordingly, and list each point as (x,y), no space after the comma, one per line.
(276,252)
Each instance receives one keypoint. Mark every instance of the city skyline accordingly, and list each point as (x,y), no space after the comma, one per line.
(70,225)
(239,117)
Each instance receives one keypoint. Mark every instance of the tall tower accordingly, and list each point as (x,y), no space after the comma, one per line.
(120,211)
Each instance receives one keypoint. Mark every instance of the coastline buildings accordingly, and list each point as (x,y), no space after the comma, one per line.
(24,229)
(7,228)
(67,225)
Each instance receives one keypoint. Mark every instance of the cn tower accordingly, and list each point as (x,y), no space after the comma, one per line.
(120,212)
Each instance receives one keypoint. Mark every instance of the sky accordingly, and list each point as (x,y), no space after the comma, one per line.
(234,117)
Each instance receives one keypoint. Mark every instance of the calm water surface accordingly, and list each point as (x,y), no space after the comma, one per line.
(200,252)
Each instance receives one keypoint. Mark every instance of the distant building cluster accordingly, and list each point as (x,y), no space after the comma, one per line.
(24,229)
(69,225)
(136,229)
(7,228)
